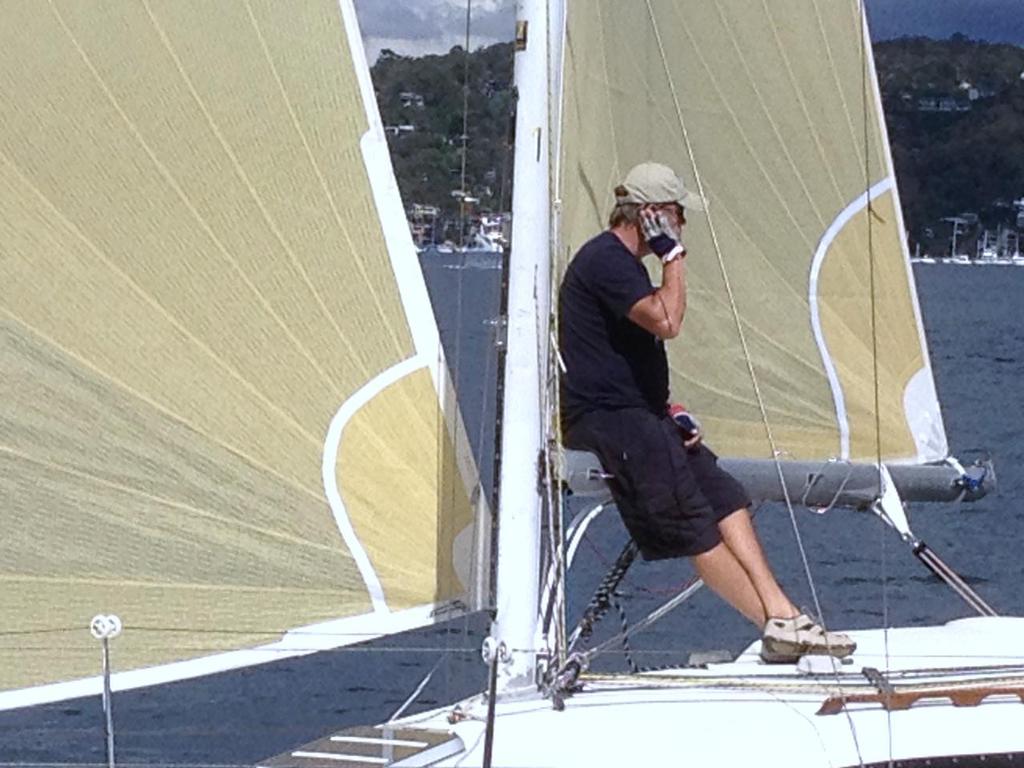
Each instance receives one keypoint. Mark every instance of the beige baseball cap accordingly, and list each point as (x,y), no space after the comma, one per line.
(657,183)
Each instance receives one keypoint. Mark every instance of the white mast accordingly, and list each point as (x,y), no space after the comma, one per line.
(520,497)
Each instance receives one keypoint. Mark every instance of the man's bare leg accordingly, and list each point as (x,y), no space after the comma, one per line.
(740,537)
(725,575)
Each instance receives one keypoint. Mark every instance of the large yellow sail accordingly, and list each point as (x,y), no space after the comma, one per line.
(219,373)
(773,106)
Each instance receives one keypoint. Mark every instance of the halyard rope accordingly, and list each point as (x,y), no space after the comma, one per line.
(602,598)
(743,340)
(685,594)
(626,650)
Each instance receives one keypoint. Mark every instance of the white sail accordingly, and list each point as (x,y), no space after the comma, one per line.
(795,283)
(224,413)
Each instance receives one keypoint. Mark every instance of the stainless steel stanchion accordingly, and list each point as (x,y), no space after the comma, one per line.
(104,628)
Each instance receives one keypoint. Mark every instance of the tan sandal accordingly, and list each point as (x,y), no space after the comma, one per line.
(784,641)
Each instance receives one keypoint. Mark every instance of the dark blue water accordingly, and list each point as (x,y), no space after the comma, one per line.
(863,573)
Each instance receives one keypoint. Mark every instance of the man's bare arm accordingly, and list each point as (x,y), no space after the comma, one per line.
(661,312)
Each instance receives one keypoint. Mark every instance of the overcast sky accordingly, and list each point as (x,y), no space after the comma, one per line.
(998,21)
(415,27)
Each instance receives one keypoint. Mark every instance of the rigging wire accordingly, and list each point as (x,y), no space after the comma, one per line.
(477,449)
(551,395)
(475,650)
(465,128)
(416,692)
(865,62)
(442,430)
(286,652)
(698,182)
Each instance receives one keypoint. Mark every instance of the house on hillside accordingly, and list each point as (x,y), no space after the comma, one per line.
(422,220)
(942,104)
(399,130)
(972,93)
(411,99)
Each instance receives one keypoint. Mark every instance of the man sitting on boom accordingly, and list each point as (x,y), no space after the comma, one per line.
(673,497)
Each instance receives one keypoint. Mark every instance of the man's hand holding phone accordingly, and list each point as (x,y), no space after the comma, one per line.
(661,235)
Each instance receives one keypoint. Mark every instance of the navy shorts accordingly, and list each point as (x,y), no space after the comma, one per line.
(670,498)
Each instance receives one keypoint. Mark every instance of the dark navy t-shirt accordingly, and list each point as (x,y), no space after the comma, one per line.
(611,362)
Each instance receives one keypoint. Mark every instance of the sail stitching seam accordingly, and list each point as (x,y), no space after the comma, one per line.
(157,406)
(178,505)
(614,170)
(166,174)
(838,88)
(225,145)
(754,155)
(152,302)
(768,115)
(326,190)
(825,164)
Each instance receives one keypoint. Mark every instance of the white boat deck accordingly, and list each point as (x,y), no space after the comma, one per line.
(732,714)
(746,712)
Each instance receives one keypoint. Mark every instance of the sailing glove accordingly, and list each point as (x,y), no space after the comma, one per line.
(686,421)
(661,236)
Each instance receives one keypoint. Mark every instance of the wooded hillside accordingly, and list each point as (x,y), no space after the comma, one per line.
(955,110)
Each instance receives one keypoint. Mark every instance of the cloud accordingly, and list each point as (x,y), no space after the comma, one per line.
(998,21)
(416,27)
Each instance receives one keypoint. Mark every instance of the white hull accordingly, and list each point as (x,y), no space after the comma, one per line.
(747,713)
